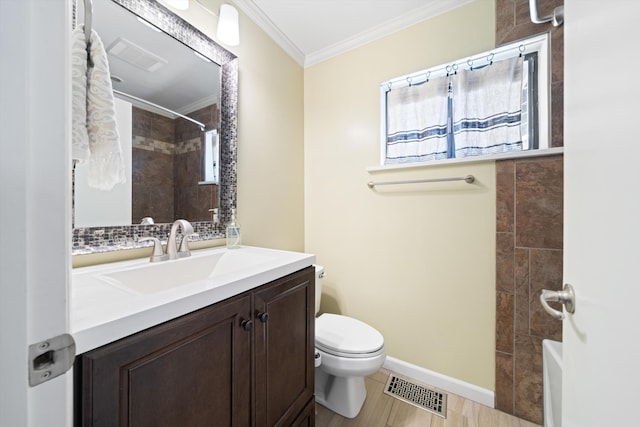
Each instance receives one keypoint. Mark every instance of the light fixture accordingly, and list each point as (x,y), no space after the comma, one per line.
(178,4)
(228,29)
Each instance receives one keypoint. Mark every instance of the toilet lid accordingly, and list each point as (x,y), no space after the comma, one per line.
(335,333)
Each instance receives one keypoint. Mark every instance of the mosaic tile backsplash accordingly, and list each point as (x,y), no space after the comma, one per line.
(91,240)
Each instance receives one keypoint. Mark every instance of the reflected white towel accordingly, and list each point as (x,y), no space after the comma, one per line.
(106,165)
(95,131)
(80,139)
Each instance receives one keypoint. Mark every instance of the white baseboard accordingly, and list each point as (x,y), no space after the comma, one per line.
(449,384)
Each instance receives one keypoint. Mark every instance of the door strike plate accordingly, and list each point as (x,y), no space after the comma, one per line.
(50,358)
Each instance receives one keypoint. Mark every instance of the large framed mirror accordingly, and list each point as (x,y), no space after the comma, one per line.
(176,90)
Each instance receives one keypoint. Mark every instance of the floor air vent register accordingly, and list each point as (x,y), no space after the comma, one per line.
(416,395)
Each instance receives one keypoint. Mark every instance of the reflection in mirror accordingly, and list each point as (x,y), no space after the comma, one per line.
(210,158)
(169,93)
(177,120)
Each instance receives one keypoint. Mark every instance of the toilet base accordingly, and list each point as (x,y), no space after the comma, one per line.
(343,395)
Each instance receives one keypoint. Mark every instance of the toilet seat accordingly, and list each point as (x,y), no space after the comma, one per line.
(347,337)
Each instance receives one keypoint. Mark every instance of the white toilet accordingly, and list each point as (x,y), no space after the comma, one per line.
(347,350)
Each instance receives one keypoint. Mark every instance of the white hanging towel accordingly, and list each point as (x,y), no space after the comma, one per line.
(80,138)
(106,165)
(487,106)
(417,122)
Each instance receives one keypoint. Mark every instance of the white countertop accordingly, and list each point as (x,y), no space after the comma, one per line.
(102,312)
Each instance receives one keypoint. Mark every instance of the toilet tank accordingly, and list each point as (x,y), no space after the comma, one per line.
(319,276)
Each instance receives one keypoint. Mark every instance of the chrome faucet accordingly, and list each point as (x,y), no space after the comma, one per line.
(172,251)
(172,245)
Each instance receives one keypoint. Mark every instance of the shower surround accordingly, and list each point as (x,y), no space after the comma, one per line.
(529,226)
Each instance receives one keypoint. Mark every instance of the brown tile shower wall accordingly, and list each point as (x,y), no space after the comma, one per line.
(152,170)
(528,259)
(193,201)
(166,167)
(529,223)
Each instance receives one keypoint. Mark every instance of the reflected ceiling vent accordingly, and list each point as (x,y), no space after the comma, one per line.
(135,55)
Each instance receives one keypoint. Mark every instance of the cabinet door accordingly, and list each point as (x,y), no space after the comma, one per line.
(192,371)
(307,417)
(284,348)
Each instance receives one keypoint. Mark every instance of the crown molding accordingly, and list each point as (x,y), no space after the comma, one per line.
(430,10)
(257,15)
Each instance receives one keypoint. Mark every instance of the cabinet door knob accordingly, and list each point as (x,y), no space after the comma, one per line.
(263,317)
(247,325)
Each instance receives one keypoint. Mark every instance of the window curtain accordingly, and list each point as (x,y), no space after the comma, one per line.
(417,122)
(487,105)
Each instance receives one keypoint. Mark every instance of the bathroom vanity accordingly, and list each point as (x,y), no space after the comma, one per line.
(239,360)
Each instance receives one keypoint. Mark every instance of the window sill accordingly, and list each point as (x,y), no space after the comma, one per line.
(476,159)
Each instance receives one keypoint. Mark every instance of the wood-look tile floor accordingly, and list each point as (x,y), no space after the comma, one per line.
(382,410)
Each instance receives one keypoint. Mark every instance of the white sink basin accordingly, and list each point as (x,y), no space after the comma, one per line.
(160,276)
(112,301)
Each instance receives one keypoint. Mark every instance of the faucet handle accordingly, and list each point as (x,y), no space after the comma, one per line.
(158,253)
(183,251)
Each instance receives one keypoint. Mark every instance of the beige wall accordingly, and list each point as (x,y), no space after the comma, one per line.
(417,265)
(270,134)
(270,143)
(416,262)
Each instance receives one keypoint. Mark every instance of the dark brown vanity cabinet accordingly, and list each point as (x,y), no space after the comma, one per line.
(284,349)
(245,361)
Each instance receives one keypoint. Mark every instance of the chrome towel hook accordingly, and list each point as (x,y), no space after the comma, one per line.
(557,18)
(88,20)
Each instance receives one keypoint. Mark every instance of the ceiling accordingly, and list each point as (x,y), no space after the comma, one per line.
(312,31)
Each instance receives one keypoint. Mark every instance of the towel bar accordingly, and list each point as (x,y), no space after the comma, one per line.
(468,179)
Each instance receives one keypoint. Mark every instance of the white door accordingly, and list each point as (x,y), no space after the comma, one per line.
(601,378)
(35,229)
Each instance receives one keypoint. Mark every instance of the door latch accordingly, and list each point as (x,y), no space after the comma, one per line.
(50,358)
(566,296)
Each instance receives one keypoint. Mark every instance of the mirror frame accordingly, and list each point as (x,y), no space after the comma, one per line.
(87,240)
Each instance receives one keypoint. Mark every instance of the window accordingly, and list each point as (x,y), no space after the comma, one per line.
(210,158)
(491,103)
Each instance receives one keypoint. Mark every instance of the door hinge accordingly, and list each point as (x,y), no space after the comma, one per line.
(50,358)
